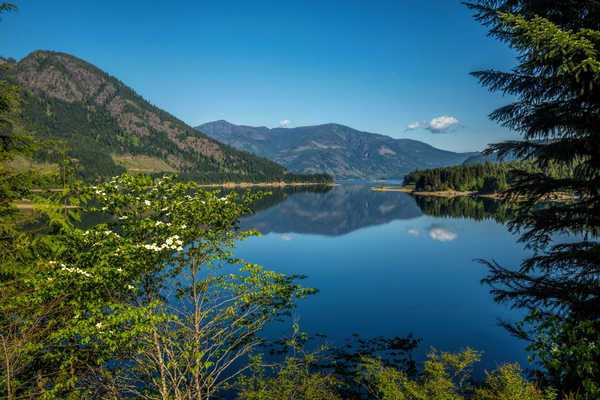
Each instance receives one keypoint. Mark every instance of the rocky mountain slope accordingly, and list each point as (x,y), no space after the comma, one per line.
(338,150)
(109,128)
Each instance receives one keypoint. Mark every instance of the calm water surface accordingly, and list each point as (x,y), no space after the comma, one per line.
(386,268)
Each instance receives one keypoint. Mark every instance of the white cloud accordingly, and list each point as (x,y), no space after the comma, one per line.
(414,125)
(441,124)
(438,232)
(286,237)
(437,125)
(285,123)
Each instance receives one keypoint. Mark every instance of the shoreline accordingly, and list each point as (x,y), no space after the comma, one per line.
(450,194)
(24,204)
(265,184)
(559,196)
(444,193)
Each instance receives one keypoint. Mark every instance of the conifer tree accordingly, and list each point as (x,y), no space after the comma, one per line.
(557,113)
(13,184)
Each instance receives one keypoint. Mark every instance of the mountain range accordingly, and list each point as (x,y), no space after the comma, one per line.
(109,129)
(335,149)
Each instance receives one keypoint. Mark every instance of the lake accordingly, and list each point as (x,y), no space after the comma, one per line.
(387,264)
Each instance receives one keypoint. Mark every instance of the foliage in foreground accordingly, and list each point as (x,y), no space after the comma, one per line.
(446,376)
(149,303)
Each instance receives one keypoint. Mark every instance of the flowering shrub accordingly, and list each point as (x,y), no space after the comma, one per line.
(139,303)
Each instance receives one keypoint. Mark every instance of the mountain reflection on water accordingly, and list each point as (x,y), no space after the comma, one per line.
(345,208)
(341,210)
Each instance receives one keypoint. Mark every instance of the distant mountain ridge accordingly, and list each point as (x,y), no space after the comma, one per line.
(109,128)
(335,149)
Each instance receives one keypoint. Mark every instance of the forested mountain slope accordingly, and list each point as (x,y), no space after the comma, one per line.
(108,128)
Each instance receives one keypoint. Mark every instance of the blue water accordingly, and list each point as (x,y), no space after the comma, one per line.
(384,268)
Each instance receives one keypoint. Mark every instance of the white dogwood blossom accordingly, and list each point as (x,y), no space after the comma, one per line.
(76,270)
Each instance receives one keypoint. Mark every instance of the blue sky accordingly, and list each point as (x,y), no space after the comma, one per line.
(378,66)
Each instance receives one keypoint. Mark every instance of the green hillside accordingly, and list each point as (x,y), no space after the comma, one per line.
(110,129)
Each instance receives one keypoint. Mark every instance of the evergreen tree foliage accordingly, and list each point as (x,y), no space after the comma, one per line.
(482,178)
(14,184)
(557,112)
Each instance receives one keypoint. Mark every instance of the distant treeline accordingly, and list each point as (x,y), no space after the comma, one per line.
(482,178)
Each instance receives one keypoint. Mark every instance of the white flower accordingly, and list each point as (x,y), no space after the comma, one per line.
(130,287)
(119,269)
(104,208)
(183,226)
(158,223)
(147,202)
(169,241)
(179,248)
(152,247)
(164,209)
(99,325)
(75,270)
(123,217)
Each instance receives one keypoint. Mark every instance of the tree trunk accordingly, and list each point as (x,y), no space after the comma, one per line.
(161,364)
